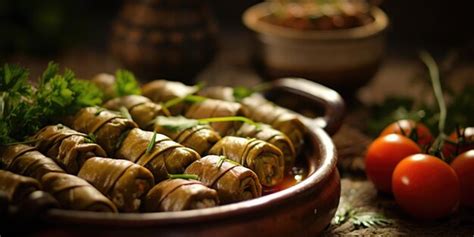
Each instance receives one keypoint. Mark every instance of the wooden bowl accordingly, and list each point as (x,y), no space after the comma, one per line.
(304,209)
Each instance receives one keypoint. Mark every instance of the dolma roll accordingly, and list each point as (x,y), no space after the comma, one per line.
(261,110)
(67,147)
(25,160)
(124,182)
(142,110)
(263,158)
(161,91)
(179,195)
(75,193)
(187,132)
(210,108)
(162,156)
(105,82)
(105,125)
(232,181)
(275,137)
(17,187)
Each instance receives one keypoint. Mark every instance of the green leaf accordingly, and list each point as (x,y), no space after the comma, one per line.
(183,176)
(125,83)
(179,100)
(151,144)
(241,92)
(125,113)
(176,124)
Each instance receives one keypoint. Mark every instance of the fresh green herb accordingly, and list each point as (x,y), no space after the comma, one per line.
(175,124)
(183,176)
(241,92)
(221,161)
(361,219)
(99,110)
(59,126)
(229,119)
(24,109)
(125,83)
(124,112)
(151,144)
(187,99)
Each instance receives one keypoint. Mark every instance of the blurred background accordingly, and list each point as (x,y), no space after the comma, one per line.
(78,34)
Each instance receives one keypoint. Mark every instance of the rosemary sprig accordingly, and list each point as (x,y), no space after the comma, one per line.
(183,176)
(151,144)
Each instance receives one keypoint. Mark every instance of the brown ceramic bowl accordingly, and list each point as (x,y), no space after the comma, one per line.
(343,59)
(301,210)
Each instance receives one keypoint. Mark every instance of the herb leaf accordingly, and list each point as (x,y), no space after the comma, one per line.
(188,99)
(125,83)
(151,144)
(183,176)
(176,124)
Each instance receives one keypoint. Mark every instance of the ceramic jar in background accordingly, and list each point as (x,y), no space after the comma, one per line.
(172,39)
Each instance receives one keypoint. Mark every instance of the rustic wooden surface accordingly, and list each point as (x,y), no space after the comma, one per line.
(232,67)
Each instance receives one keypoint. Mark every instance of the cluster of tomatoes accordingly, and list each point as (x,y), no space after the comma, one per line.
(423,185)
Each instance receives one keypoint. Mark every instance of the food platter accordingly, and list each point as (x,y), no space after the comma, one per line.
(305,208)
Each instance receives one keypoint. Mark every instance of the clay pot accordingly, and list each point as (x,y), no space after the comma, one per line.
(172,39)
(343,59)
(304,209)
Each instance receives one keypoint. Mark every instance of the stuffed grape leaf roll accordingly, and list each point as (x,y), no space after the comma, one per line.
(106,126)
(124,182)
(67,147)
(25,160)
(17,187)
(156,152)
(263,158)
(75,193)
(232,181)
(179,195)
(161,91)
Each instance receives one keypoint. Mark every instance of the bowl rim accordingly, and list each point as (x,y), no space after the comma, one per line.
(252,20)
(326,164)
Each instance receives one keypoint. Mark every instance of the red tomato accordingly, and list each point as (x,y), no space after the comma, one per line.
(464,167)
(383,155)
(456,145)
(423,134)
(425,187)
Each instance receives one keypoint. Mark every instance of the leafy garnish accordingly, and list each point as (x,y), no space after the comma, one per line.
(151,144)
(91,137)
(183,176)
(121,139)
(361,219)
(221,161)
(176,124)
(23,110)
(241,92)
(125,83)
(187,99)
(230,119)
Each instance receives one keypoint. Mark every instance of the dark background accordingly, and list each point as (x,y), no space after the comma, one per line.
(44,28)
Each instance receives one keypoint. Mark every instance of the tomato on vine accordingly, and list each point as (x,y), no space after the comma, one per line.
(425,187)
(464,167)
(416,131)
(458,142)
(383,154)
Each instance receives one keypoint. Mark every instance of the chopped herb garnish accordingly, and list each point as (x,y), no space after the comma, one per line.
(361,219)
(183,176)
(99,110)
(221,161)
(121,139)
(229,119)
(92,137)
(151,144)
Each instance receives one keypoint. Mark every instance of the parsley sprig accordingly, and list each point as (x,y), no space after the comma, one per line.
(24,109)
